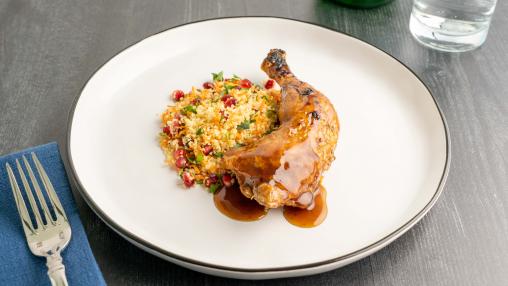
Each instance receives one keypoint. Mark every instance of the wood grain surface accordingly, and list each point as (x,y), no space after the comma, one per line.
(48,49)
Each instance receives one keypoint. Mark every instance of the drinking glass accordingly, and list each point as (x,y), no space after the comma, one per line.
(451,25)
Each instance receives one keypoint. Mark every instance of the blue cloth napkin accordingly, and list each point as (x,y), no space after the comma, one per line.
(18,266)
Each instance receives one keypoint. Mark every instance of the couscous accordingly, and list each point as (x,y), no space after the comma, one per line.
(206,122)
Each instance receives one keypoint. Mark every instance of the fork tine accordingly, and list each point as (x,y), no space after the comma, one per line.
(53,198)
(42,201)
(20,202)
(29,194)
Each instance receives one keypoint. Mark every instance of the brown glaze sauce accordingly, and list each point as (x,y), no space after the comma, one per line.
(308,217)
(279,173)
(232,203)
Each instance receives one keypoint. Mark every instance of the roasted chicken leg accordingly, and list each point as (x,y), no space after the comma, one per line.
(285,166)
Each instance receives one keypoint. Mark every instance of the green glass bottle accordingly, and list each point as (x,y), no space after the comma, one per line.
(363,3)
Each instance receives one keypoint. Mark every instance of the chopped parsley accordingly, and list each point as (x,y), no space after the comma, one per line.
(200,131)
(218,76)
(239,145)
(270,113)
(228,88)
(196,160)
(189,108)
(244,125)
(213,188)
(235,77)
(218,154)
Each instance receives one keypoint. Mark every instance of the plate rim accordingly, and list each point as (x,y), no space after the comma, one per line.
(348,258)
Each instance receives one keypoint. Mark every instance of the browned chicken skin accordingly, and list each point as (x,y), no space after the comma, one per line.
(285,166)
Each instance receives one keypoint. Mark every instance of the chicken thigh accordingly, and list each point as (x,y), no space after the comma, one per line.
(285,166)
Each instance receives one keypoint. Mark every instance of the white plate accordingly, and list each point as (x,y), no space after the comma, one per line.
(392,154)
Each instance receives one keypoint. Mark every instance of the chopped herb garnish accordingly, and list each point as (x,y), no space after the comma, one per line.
(199,182)
(239,145)
(244,125)
(213,188)
(196,160)
(227,88)
(218,154)
(270,113)
(218,76)
(236,77)
(264,97)
(189,108)
(200,131)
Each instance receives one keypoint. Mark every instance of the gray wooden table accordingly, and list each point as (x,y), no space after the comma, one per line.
(48,49)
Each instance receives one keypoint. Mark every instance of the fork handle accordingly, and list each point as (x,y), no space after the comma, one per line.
(56,270)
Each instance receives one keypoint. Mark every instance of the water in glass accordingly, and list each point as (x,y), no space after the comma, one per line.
(451,25)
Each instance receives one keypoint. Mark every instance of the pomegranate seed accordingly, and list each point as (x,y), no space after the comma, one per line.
(178,94)
(178,153)
(180,142)
(174,127)
(227,180)
(207,149)
(212,179)
(208,85)
(230,102)
(188,180)
(166,130)
(245,83)
(269,84)
(181,162)
(225,97)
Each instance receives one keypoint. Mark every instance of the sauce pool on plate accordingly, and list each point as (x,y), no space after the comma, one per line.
(308,217)
(232,203)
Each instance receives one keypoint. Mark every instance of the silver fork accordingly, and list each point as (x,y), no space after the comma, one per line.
(49,239)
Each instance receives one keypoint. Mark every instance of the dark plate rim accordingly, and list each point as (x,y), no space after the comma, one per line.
(351,256)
